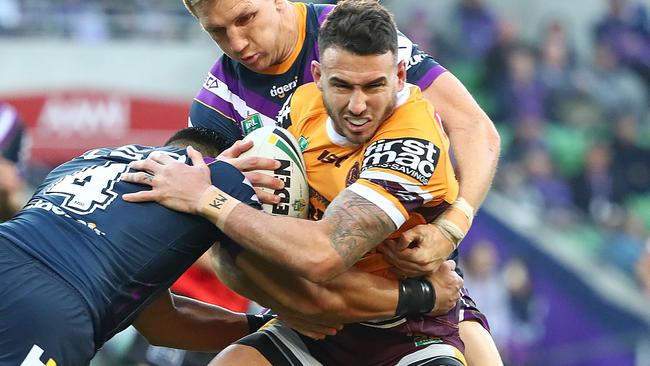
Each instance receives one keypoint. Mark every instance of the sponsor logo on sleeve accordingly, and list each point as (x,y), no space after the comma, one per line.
(414,157)
(353,175)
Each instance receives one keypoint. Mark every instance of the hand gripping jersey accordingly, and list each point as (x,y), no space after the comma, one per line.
(404,169)
(235,100)
(116,255)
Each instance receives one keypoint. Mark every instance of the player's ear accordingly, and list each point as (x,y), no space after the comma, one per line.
(316,73)
(401,75)
(279,4)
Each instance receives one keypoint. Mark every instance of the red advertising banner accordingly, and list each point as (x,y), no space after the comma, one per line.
(64,124)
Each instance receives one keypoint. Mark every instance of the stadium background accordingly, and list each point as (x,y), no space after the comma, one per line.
(559,257)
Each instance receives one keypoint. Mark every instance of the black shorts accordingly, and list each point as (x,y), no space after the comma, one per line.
(43,321)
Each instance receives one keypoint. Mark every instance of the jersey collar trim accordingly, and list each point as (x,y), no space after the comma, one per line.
(403,96)
(336,137)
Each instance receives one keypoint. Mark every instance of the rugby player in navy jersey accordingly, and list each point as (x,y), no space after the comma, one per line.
(269,46)
(78,264)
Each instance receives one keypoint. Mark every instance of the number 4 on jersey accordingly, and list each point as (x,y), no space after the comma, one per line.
(89,189)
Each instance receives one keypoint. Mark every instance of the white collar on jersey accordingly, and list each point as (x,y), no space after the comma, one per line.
(338,139)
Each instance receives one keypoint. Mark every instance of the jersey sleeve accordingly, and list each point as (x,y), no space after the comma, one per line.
(213,106)
(322,11)
(406,166)
(421,68)
(202,115)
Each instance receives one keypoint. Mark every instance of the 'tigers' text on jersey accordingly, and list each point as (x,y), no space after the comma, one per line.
(282,90)
(414,157)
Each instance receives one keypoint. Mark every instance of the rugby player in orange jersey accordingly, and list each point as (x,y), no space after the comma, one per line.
(268,46)
(361,100)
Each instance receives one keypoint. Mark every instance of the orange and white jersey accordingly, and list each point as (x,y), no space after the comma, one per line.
(404,169)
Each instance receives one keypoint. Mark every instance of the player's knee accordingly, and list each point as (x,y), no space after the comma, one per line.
(443,361)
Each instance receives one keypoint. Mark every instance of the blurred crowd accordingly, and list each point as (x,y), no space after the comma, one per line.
(96,20)
(576,144)
(504,291)
(576,147)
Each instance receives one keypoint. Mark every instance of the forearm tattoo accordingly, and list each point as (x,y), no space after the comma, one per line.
(359,226)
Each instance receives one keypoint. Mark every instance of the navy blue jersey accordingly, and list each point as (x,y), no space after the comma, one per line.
(116,254)
(235,100)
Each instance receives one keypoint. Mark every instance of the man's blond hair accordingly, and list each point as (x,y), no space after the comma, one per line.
(189,4)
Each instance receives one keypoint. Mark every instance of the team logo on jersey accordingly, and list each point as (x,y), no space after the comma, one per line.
(211,82)
(282,90)
(414,157)
(353,174)
(251,123)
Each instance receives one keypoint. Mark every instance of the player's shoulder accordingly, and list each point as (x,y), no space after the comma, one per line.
(320,11)
(308,96)
(413,118)
(412,109)
(306,103)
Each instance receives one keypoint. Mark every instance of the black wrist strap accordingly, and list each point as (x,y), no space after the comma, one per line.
(255,322)
(416,296)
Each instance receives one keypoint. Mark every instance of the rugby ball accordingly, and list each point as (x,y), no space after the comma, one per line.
(278,143)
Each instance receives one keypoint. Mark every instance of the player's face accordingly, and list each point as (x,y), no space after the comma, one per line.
(359,92)
(248,31)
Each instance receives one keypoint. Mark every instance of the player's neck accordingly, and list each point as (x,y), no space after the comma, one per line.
(290,27)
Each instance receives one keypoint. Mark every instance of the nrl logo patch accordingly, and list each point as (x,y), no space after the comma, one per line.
(303,143)
(251,123)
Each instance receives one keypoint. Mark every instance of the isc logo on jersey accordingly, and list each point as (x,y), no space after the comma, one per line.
(414,157)
(278,143)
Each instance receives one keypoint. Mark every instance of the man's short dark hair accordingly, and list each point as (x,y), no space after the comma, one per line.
(363,27)
(205,140)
